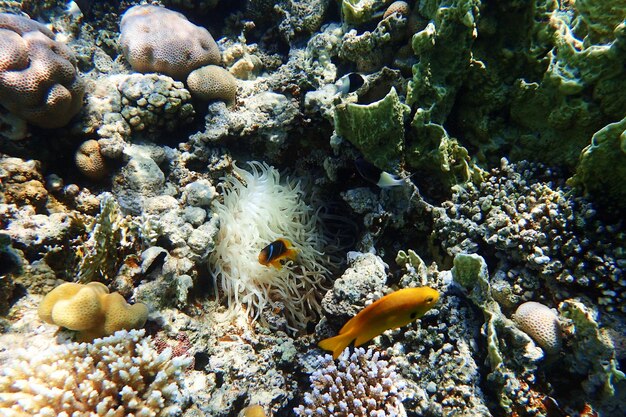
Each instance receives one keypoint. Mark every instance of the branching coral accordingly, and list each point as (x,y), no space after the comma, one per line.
(359,384)
(120,375)
(257,209)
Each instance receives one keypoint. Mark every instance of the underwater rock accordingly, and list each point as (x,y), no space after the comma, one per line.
(363,281)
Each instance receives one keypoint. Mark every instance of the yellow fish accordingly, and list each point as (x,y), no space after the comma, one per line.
(390,312)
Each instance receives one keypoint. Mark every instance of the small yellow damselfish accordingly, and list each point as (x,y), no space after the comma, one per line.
(277,251)
(390,312)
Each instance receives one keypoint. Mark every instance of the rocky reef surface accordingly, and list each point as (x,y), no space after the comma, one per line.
(155,148)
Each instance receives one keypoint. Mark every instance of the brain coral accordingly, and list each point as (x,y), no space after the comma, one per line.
(38,78)
(540,323)
(256,210)
(89,160)
(120,375)
(212,82)
(90,310)
(155,39)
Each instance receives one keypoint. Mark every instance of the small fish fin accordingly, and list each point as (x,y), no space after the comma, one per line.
(336,344)
(291,254)
(276,264)
(389,180)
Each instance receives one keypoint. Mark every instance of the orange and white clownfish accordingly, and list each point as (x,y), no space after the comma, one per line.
(389,312)
(277,251)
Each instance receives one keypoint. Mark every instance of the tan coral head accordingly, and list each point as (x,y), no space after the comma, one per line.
(90,310)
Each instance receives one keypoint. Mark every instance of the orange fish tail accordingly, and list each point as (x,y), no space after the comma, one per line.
(336,344)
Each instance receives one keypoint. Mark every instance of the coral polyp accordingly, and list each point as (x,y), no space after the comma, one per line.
(257,209)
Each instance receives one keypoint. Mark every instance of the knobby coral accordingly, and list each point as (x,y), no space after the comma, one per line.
(257,209)
(38,77)
(359,384)
(120,375)
(90,310)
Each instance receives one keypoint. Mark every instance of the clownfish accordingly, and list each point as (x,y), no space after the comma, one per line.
(389,312)
(276,251)
(376,175)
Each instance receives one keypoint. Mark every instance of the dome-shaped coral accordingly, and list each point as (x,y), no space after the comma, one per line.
(212,82)
(89,160)
(540,323)
(38,77)
(155,39)
(257,209)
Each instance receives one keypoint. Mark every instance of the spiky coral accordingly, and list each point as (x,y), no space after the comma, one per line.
(120,375)
(258,209)
(359,384)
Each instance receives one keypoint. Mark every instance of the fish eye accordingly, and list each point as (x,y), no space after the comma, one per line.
(429,299)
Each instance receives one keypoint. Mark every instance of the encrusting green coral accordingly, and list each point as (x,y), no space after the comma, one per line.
(602,168)
(376,129)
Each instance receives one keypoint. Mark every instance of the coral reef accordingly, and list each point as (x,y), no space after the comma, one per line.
(542,237)
(122,374)
(90,310)
(38,77)
(155,39)
(358,384)
(257,209)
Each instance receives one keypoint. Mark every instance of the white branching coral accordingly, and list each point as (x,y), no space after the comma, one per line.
(257,209)
(119,375)
(359,384)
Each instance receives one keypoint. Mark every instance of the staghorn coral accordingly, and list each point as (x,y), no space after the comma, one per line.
(38,77)
(359,384)
(119,375)
(257,209)
(155,39)
(90,310)
(212,82)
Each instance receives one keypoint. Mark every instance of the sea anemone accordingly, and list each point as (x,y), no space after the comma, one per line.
(257,209)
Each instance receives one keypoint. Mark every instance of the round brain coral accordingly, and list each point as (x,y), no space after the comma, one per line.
(89,160)
(155,39)
(257,209)
(540,323)
(38,77)
(212,82)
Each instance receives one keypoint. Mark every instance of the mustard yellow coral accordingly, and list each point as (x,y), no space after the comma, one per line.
(90,310)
